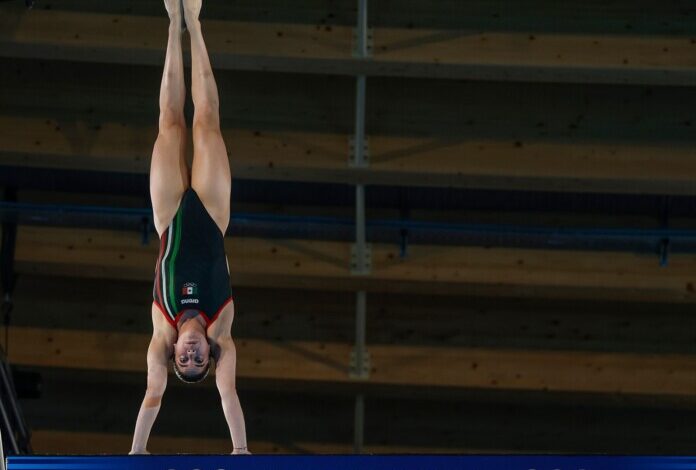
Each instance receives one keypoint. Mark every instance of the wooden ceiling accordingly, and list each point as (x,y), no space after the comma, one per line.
(473,348)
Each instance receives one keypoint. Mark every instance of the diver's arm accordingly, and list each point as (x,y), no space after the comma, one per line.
(225,380)
(156,384)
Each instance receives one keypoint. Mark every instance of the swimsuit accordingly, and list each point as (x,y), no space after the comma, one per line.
(192,271)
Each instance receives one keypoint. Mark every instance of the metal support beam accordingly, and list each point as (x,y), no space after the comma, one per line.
(2,454)
(362,31)
(13,425)
(359,150)
(360,262)
(7,428)
(359,425)
(360,359)
(361,256)
(19,426)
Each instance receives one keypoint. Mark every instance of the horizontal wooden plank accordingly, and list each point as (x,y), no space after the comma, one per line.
(640,167)
(596,58)
(508,136)
(668,375)
(405,319)
(326,265)
(460,110)
(287,416)
(45,441)
(622,17)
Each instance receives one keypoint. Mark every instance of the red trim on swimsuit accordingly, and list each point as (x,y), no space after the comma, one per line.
(219,310)
(166,315)
(208,321)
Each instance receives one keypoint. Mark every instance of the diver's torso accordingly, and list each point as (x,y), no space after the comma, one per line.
(192,271)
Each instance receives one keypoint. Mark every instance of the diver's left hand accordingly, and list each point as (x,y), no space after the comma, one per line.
(138,452)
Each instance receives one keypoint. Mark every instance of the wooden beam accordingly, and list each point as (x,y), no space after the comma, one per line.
(615,167)
(668,375)
(442,321)
(451,321)
(452,54)
(623,17)
(526,136)
(103,405)
(325,265)
(46,441)
(289,417)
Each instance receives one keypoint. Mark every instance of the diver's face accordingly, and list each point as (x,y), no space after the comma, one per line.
(191,352)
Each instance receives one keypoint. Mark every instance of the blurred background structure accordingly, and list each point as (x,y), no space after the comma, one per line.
(529,176)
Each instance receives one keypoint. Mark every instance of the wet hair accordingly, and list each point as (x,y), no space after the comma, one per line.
(191,378)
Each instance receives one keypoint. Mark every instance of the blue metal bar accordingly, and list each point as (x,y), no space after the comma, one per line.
(241,218)
(349,462)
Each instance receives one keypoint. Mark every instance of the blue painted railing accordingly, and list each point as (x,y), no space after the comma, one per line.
(660,241)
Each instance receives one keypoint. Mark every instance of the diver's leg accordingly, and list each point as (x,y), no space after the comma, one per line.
(169,174)
(210,174)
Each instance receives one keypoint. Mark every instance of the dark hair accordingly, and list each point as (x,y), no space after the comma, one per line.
(194,378)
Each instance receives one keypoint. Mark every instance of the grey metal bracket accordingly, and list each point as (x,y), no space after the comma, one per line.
(359,371)
(352,157)
(358,265)
(368,46)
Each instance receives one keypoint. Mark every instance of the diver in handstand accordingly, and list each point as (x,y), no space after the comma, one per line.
(192,308)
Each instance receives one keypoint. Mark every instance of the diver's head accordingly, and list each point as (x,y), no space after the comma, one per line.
(191,356)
